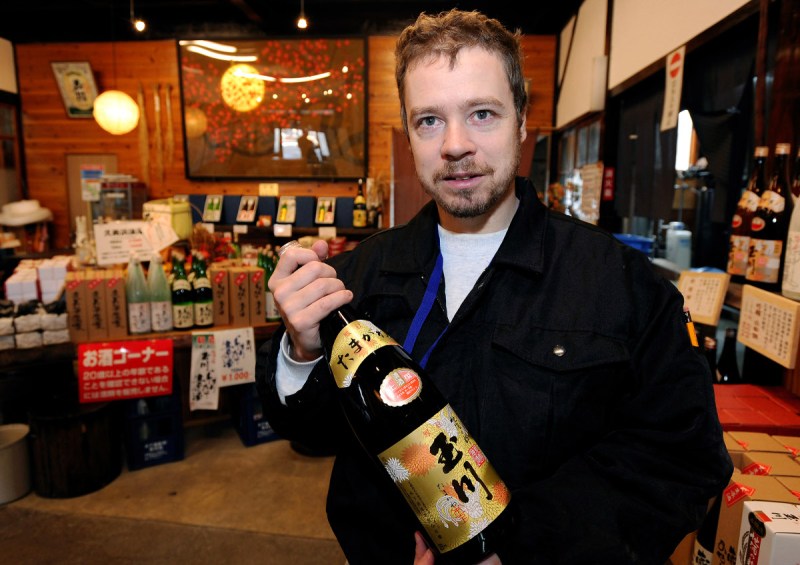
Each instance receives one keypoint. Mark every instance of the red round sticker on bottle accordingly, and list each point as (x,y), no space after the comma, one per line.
(400,387)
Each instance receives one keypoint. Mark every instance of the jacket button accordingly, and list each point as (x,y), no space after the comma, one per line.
(559,351)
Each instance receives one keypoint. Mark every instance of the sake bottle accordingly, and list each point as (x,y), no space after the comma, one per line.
(182,297)
(739,244)
(160,296)
(791,262)
(728,366)
(203,295)
(269,267)
(769,227)
(411,431)
(138,298)
(360,207)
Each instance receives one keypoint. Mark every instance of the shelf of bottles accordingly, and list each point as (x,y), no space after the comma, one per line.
(764,251)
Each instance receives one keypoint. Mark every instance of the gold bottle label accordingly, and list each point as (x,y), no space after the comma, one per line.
(357,340)
(447,480)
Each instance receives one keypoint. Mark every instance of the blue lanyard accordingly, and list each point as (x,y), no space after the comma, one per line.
(422,312)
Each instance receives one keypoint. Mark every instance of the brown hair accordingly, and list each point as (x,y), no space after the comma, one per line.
(446,34)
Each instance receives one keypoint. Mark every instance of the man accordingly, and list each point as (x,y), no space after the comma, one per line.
(564,355)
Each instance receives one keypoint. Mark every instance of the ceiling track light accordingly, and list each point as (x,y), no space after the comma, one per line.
(138,23)
(302,22)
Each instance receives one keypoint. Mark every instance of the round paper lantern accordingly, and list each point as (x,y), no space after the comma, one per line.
(116,112)
(196,122)
(240,92)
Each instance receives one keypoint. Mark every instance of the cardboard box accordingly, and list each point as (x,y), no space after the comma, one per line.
(735,449)
(770,533)
(741,489)
(258,297)
(96,296)
(240,296)
(757,441)
(791,483)
(791,443)
(77,306)
(116,304)
(764,463)
(220,287)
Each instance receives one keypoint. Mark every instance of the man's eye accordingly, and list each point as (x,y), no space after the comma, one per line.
(483,114)
(427,121)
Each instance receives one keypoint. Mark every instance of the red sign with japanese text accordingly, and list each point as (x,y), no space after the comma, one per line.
(116,370)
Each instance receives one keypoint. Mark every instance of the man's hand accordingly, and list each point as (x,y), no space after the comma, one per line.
(306,290)
(424,556)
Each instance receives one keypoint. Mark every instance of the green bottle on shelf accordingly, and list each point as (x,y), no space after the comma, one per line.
(270,260)
(203,295)
(160,296)
(182,297)
(138,298)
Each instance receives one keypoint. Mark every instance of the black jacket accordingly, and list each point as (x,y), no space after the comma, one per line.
(569,363)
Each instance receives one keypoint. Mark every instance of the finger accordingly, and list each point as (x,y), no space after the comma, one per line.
(320,247)
(292,258)
(422,554)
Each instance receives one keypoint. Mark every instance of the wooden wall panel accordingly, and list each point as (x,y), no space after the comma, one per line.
(49,135)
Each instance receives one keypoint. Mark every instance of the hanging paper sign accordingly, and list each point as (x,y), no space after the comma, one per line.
(673,88)
(236,356)
(219,359)
(124,369)
(116,241)
(203,381)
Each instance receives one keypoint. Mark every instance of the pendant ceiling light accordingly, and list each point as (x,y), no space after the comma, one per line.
(138,23)
(116,112)
(302,22)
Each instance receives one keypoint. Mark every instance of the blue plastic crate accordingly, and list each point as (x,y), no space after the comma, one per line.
(643,244)
(249,419)
(154,440)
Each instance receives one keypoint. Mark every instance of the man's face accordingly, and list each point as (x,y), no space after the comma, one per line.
(463,130)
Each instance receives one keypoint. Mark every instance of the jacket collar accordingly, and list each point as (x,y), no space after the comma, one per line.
(522,248)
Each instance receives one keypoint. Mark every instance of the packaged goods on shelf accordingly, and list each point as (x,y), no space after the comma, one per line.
(220,287)
(77,306)
(174,213)
(52,337)
(28,340)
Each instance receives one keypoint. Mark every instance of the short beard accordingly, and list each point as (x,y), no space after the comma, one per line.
(464,204)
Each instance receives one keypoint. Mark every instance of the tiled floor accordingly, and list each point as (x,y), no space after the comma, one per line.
(223,503)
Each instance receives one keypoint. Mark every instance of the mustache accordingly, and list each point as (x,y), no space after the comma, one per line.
(462,168)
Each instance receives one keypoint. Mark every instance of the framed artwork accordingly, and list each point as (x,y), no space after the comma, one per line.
(77,87)
(287,210)
(247,209)
(212,209)
(326,210)
(274,108)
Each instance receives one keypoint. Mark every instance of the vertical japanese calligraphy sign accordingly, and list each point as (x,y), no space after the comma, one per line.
(770,324)
(704,294)
(117,370)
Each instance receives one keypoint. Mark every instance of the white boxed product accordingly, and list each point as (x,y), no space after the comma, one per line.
(28,340)
(6,325)
(769,533)
(50,337)
(54,321)
(7,342)
(28,323)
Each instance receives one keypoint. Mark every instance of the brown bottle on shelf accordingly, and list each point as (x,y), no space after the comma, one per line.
(409,429)
(739,245)
(769,226)
(727,366)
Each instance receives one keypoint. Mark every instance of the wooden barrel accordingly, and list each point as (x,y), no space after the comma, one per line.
(75,449)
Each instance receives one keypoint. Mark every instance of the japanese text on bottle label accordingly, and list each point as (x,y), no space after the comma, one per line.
(446,479)
(357,340)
